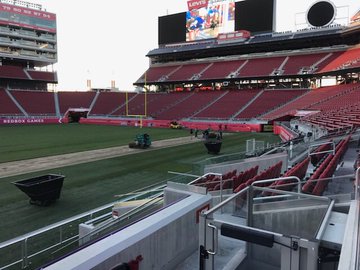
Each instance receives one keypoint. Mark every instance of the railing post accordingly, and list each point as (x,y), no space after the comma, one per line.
(357,179)
(206,241)
(221,190)
(24,258)
(250,206)
(60,235)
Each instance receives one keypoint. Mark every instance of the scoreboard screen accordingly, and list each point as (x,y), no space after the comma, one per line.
(26,17)
(171,28)
(207,19)
(355,20)
(254,15)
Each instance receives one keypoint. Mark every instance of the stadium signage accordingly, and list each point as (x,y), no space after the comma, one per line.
(355,20)
(22,121)
(240,35)
(28,12)
(197,4)
(28,121)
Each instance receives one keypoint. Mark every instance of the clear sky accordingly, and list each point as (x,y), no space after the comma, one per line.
(108,40)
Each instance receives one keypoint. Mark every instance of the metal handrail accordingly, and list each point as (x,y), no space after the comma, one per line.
(322,228)
(357,198)
(217,207)
(24,238)
(52,226)
(357,184)
(111,222)
(201,177)
(288,178)
(322,152)
(216,174)
(215,244)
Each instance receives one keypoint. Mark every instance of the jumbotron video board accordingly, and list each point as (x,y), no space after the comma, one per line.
(27,18)
(355,20)
(255,16)
(171,28)
(206,19)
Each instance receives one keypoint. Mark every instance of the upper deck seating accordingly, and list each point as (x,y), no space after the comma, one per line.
(158,73)
(296,63)
(347,59)
(43,75)
(12,72)
(187,72)
(221,70)
(260,67)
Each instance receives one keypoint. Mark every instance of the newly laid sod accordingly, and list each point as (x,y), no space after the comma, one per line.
(26,142)
(94,184)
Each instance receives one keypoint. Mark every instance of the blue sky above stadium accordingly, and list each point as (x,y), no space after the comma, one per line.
(108,40)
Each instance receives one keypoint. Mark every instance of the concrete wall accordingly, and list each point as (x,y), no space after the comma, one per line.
(163,239)
(175,192)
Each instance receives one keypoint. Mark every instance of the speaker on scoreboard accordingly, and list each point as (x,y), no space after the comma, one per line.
(321,13)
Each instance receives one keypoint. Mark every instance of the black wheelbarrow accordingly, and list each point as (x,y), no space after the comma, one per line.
(213,147)
(42,190)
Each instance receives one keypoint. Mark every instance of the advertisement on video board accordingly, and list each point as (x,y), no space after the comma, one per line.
(355,20)
(207,18)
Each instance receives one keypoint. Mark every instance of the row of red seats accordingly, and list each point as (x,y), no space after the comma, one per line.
(211,181)
(235,180)
(227,179)
(245,176)
(230,179)
(315,158)
(330,169)
(325,170)
(299,170)
(270,173)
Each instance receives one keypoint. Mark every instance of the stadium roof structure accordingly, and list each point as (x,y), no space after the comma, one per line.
(316,40)
(268,42)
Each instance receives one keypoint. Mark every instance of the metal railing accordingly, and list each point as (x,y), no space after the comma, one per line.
(244,201)
(357,198)
(33,245)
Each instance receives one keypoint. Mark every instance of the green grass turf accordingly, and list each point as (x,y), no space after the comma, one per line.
(94,184)
(26,142)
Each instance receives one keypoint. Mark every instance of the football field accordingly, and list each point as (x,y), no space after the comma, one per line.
(94,184)
(26,142)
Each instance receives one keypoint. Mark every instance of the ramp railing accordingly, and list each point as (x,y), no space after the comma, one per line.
(233,233)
